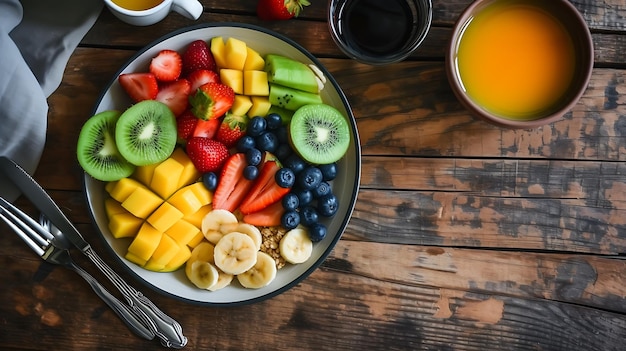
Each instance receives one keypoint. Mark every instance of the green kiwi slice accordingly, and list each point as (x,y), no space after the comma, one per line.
(319,133)
(96,150)
(146,133)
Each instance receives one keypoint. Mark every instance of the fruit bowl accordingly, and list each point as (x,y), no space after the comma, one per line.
(345,185)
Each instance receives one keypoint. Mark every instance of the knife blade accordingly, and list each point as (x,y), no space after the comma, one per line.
(165,327)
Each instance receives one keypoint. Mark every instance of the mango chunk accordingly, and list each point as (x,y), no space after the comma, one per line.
(123,188)
(146,242)
(166,177)
(112,207)
(196,240)
(255,83)
(218,49)
(164,217)
(196,218)
(142,202)
(233,78)
(183,232)
(186,201)
(124,225)
(202,193)
(236,53)
(260,106)
(163,254)
(178,260)
(254,61)
(190,172)
(144,173)
(241,105)
(134,259)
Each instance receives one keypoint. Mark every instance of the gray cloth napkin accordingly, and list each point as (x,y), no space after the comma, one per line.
(36,40)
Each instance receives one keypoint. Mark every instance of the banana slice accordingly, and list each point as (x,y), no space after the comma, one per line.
(223,280)
(217,223)
(296,247)
(261,274)
(202,252)
(201,273)
(251,231)
(235,253)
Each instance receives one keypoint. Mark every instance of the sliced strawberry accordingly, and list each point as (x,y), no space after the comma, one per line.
(211,100)
(206,154)
(265,190)
(186,124)
(207,129)
(139,86)
(175,95)
(233,127)
(200,77)
(198,55)
(232,186)
(166,65)
(267,217)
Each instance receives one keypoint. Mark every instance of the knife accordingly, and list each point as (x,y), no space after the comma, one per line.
(165,327)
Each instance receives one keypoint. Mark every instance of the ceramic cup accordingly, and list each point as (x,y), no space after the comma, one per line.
(520,63)
(379,32)
(191,9)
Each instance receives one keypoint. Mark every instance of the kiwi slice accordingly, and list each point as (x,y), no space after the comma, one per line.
(319,133)
(146,133)
(97,152)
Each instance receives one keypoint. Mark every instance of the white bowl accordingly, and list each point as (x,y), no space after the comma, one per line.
(345,186)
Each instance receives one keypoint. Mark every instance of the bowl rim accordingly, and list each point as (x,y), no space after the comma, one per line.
(357,170)
(586,68)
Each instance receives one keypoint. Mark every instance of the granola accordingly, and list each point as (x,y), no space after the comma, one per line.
(270,244)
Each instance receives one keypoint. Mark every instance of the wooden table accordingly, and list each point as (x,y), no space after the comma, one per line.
(465,236)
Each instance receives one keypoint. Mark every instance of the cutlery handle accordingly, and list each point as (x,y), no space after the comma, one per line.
(164,327)
(121,309)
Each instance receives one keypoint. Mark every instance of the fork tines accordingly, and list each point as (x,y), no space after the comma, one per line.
(33,234)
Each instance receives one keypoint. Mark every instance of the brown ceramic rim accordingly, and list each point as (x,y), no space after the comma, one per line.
(584,42)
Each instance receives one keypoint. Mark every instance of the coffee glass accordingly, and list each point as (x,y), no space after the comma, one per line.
(379,32)
(191,9)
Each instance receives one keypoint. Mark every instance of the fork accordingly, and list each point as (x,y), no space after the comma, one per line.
(40,240)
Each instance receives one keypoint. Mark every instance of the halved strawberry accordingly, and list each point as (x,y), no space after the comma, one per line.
(175,95)
(267,217)
(232,186)
(233,127)
(200,77)
(139,86)
(198,55)
(166,65)
(265,190)
(207,129)
(206,154)
(211,100)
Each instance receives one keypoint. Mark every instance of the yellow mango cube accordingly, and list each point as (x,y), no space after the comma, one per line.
(166,177)
(164,217)
(134,259)
(185,200)
(146,242)
(144,173)
(260,106)
(254,61)
(142,202)
(196,218)
(255,83)
(233,78)
(112,207)
(183,232)
(236,53)
(218,49)
(196,240)
(124,225)
(190,172)
(204,195)
(241,105)
(108,187)
(123,188)
(178,260)
(163,254)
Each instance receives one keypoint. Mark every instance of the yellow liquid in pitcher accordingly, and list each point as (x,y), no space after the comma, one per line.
(516,60)
(137,5)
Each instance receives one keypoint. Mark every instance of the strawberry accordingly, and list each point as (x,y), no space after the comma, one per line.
(232,186)
(265,190)
(269,10)
(267,217)
(211,100)
(166,65)
(198,55)
(186,124)
(233,127)
(175,95)
(206,154)
(207,129)
(139,86)
(200,77)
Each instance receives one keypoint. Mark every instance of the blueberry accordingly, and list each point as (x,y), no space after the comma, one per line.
(254,156)
(210,180)
(267,141)
(245,143)
(321,190)
(285,178)
(290,219)
(274,121)
(283,151)
(256,126)
(310,178)
(317,232)
(290,201)
(295,162)
(251,172)
(329,171)
(282,134)
(327,205)
(308,215)
(304,196)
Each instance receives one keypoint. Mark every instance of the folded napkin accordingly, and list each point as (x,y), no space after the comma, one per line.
(36,41)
